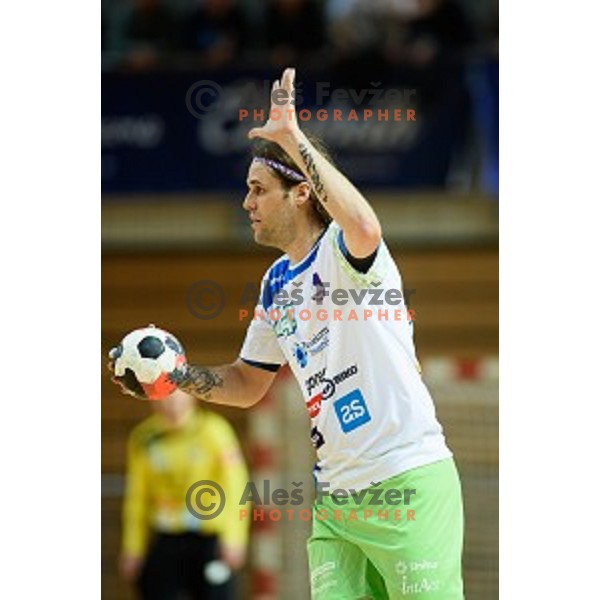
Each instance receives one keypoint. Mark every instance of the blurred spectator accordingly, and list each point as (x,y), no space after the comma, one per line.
(165,548)
(356,32)
(148,33)
(441,30)
(216,30)
(359,30)
(492,28)
(396,32)
(295,32)
(358,23)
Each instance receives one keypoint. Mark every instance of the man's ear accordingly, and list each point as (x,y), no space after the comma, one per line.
(302,193)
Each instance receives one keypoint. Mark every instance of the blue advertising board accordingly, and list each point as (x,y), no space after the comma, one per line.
(185,132)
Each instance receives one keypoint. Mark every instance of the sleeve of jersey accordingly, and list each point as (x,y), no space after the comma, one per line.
(261,348)
(376,272)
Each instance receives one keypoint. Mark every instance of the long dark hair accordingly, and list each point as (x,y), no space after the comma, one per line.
(272,151)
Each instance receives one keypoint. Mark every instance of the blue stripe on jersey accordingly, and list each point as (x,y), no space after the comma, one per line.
(280,274)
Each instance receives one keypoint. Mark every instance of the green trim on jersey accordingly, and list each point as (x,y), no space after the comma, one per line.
(374,276)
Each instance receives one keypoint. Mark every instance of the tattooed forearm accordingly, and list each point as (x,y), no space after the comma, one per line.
(313,172)
(199,381)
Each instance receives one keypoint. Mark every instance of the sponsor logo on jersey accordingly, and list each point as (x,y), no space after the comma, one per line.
(328,384)
(303,350)
(301,355)
(318,342)
(317,438)
(352,411)
(286,325)
(314,381)
(313,405)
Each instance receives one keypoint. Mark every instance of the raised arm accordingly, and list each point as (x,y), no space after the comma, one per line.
(237,384)
(344,203)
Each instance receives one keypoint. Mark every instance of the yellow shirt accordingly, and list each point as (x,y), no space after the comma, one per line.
(163,463)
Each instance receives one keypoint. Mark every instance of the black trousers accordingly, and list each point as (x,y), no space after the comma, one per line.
(174,569)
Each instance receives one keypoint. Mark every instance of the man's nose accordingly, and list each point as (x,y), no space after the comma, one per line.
(247,204)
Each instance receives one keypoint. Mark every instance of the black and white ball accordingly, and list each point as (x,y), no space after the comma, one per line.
(147,362)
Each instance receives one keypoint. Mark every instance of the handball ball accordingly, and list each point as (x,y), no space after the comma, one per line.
(146,360)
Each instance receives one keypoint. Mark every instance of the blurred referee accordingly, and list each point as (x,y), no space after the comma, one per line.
(167,552)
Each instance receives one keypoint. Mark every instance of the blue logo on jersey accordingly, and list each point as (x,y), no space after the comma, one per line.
(352,411)
(301,355)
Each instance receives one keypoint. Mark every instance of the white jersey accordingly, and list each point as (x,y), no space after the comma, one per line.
(348,339)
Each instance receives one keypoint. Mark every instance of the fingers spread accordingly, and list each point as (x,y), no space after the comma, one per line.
(288,78)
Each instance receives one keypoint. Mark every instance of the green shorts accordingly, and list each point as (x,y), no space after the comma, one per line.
(402,539)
